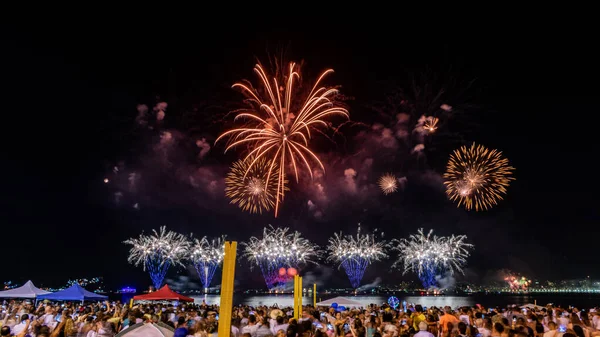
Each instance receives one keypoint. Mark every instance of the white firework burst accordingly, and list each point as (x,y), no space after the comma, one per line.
(388,183)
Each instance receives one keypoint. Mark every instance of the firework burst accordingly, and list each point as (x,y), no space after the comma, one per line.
(388,183)
(430,124)
(206,256)
(477,177)
(428,255)
(251,187)
(516,282)
(280,124)
(156,253)
(279,248)
(355,254)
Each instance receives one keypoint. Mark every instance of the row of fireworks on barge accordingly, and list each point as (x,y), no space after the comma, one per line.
(280,253)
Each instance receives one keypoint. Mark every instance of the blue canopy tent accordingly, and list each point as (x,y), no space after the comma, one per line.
(74,293)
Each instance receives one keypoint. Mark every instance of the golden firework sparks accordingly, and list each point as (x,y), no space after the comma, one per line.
(477,177)
(430,124)
(280,122)
(249,188)
(256,186)
(388,183)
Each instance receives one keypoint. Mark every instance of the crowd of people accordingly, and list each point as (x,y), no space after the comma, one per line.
(24,319)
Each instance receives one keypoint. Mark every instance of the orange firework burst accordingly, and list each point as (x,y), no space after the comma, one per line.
(431,124)
(279,124)
(251,188)
(477,177)
(388,183)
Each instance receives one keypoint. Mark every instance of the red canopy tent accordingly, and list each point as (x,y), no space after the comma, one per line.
(163,294)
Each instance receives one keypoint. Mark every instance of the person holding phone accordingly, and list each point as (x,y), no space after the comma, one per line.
(22,324)
(23,333)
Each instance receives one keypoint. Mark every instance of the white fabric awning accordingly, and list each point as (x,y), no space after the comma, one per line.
(532,306)
(147,330)
(342,301)
(28,290)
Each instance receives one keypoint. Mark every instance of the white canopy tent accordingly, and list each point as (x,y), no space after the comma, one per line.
(28,290)
(532,306)
(148,330)
(341,301)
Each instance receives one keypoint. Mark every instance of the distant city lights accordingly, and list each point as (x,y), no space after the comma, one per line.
(127,290)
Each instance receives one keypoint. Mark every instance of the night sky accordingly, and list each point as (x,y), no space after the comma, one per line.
(70,106)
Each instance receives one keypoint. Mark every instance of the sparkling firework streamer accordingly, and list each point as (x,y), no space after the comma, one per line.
(156,253)
(280,124)
(355,254)
(248,186)
(477,177)
(207,256)
(428,255)
(279,248)
(388,183)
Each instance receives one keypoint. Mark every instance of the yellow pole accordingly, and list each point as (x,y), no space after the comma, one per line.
(300,296)
(131,303)
(296,296)
(226,305)
(314,295)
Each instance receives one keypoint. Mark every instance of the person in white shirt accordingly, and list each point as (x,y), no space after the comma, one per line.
(596,321)
(464,317)
(264,329)
(48,318)
(280,325)
(17,329)
(235,331)
(564,319)
(423,330)
(553,332)
(483,330)
(251,327)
